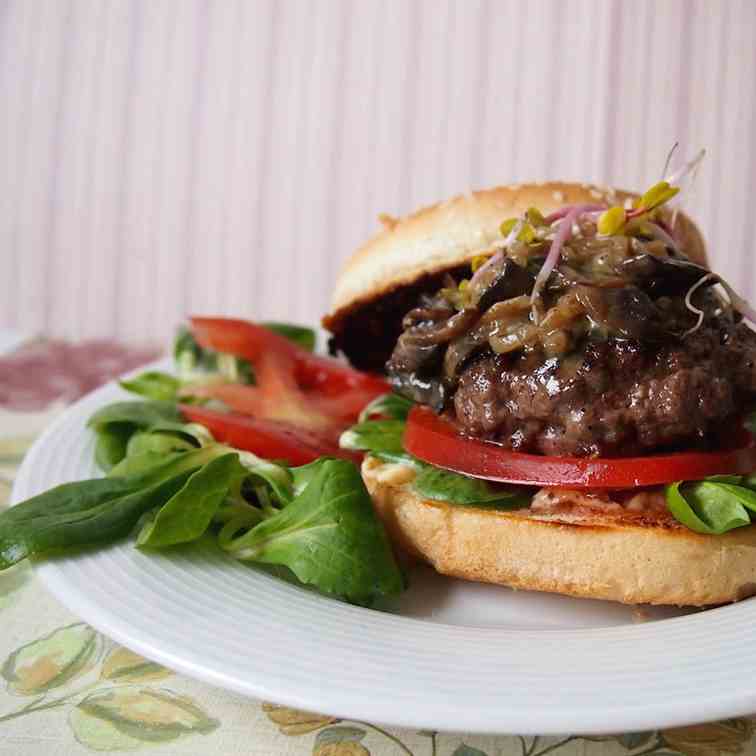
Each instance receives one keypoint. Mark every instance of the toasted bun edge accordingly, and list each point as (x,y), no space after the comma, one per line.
(448,234)
(621,562)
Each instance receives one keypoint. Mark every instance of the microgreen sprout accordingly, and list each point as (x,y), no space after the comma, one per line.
(689,302)
(508,225)
(611,221)
(690,167)
(478,262)
(535,217)
(564,231)
(668,161)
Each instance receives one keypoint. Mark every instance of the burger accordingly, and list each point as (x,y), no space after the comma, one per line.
(572,388)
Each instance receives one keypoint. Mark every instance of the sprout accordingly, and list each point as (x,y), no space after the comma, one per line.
(527,234)
(507,226)
(669,159)
(552,259)
(611,221)
(520,229)
(689,302)
(657,195)
(736,301)
(478,262)
(535,216)
(689,167)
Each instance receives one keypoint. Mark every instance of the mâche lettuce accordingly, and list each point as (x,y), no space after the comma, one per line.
(380,432)
(174,483)
(713,506)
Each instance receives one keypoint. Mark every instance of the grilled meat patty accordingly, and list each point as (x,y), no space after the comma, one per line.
(620,360)
(613,397)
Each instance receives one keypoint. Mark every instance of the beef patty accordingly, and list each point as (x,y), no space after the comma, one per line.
(612,396)
(627,349)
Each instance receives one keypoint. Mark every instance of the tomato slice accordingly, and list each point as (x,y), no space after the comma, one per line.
(239,337)
(436,441)
(266,438)
(329,387)
(312,371)
(300,402)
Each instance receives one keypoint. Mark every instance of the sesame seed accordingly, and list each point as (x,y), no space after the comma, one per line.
(558,196)
(596,194)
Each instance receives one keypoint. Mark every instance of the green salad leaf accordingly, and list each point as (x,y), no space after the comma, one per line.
(178,484)
(157,442)
(154,385)
(115,424)
(441,485)
(136,414)
(383,439)
(709,506)
(302,475)
(277,477)
(91,512)
(188,513)
(111,444)
(301,335)
(328,537)
(390,406)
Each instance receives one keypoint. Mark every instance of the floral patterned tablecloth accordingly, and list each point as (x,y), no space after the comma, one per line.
(66,689)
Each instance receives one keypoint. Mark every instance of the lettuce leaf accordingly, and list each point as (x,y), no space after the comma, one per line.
(329,537)
(382,438)
(710,507)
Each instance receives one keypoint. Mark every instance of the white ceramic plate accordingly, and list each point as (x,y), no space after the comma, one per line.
(452,656)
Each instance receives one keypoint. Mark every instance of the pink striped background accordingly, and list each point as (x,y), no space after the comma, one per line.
(159,157)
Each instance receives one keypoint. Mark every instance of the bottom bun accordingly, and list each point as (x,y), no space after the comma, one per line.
(635,558)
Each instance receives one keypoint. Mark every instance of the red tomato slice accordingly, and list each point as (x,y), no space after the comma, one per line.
(436,441)
(266,438)
(312,371)
(273,404)
(239,337)
(293,384)
(300,402)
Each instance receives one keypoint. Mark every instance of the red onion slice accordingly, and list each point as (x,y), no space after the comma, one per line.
(564,211)
(564,232)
